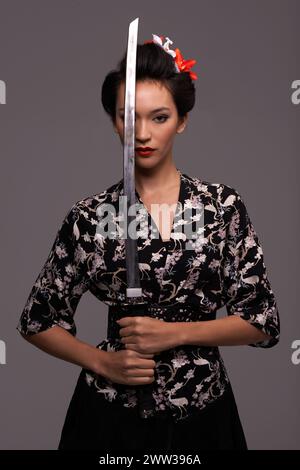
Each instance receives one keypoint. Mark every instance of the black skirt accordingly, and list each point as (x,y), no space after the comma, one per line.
(94,423)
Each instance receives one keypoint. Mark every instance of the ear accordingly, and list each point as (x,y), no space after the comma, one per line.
(182,124)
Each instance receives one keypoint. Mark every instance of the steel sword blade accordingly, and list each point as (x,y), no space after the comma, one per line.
(132,269)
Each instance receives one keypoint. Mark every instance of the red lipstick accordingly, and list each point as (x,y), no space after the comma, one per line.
(144,151)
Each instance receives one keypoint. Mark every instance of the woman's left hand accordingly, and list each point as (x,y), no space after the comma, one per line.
(148,335)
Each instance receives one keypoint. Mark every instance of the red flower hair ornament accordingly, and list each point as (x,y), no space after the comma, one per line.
(181,64)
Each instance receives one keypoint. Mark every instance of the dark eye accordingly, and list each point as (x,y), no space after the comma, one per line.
(163,117)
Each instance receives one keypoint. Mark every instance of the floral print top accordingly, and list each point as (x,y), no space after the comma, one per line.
(225,266)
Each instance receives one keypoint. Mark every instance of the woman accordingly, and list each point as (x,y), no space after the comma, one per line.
(175,347)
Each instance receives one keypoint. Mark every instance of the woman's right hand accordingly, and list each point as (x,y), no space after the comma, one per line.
(127,367)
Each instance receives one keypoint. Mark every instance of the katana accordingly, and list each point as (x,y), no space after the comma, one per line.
(133,280)
(134,304)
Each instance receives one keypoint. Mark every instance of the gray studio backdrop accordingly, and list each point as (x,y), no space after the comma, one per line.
(57,146)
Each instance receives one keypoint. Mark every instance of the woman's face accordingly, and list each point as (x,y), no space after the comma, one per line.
(153,128)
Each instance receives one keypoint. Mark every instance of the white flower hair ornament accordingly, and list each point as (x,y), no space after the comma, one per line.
(181,64)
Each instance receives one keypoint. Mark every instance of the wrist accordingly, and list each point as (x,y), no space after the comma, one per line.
(184,330)
(99,361)
(181,334)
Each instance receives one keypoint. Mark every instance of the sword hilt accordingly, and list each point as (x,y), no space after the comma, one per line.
(146,402)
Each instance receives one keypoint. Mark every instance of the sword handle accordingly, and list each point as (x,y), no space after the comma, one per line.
(146,402)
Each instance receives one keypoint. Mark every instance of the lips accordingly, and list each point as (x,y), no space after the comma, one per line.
(144,151)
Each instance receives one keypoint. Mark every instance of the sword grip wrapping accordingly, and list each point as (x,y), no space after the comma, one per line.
(146,402)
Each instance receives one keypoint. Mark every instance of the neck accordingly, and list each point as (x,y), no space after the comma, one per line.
(153,180)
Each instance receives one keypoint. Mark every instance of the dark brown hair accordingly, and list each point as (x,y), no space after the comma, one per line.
(153,63)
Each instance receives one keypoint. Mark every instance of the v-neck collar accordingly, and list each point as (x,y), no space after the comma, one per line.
(178,207)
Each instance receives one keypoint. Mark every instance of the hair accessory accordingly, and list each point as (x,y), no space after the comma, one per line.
(181,64)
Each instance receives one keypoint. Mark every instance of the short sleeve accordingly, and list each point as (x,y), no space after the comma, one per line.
(247,289)
(60,284)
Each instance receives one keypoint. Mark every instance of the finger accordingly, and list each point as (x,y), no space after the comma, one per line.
(132,346)
(145,372)
(142,360)
(140,354)
(128,339)
(145,355)
(145,363)
(126,321)
(141,380)
(125,331)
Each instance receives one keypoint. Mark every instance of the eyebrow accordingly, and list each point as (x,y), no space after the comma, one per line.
(163,108)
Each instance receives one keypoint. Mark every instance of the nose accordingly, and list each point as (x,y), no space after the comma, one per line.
(142,132)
